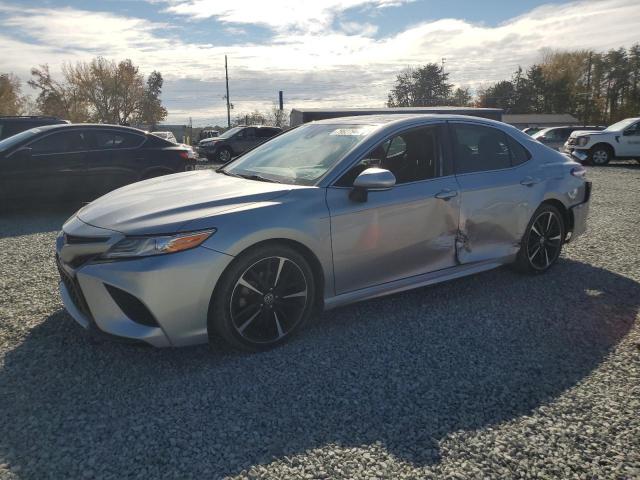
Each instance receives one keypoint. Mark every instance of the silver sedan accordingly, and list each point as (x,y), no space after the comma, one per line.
(326,214)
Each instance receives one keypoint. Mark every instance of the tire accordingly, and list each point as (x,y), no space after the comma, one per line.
(600,155)
(224,155)
(263,298)
(542,242)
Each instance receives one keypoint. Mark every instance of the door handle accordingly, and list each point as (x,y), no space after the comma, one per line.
(446,194)
(529,181)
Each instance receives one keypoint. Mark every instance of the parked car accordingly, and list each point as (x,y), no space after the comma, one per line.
(618,141)
(83,161)
(555,137)
(532,130)
(170,137)
(235,141)
(207,133)
(11,125)
(166,135)
(326,214)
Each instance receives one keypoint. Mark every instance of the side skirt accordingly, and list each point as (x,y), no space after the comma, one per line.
(416,281)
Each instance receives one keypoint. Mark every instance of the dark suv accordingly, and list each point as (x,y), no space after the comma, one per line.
(11,125)
(235,141)
(82,161)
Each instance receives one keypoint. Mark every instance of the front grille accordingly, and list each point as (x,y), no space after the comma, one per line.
(73,287)
(75,239)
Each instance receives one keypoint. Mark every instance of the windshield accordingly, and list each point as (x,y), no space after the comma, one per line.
(231,132)
(540,133)
(17,138)
(302,155)
(621,125)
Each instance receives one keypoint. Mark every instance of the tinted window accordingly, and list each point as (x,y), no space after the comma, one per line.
(70,141)
(633,129)
(519,154)
(115,139)
(250,133)
(477,148)
(265,132)
(411,156)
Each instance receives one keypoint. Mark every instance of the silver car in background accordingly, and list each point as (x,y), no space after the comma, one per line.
(326,214)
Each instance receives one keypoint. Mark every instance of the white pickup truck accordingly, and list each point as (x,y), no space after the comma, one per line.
(620,140)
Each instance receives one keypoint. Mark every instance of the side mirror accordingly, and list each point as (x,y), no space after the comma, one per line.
(23,153)
(371,180)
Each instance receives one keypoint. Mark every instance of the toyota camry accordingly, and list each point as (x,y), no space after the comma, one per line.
(326,214)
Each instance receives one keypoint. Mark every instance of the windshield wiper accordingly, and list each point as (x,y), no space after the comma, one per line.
(260,178)
(224,172)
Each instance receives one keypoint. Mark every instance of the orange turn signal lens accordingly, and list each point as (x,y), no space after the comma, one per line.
(185,242)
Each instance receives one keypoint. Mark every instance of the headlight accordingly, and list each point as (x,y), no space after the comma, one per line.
(147,246)
(582,141)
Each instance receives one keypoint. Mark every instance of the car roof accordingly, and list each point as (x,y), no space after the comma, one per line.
(48,128)
(405,118)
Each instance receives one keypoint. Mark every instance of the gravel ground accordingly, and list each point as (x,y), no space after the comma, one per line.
(492,376)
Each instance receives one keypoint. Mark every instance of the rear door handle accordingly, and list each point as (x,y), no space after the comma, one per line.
(446,194)
(529,181)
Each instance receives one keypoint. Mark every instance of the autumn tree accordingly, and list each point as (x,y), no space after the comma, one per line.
(12,101)
(100,91)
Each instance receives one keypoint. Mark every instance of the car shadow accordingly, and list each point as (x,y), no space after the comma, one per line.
(400,372)
(26,219)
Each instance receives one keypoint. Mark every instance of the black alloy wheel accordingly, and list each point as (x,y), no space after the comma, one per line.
(263,298)
(543,240)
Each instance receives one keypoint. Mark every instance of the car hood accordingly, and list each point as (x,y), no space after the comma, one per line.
(580,133)
(167,204)
(210,139)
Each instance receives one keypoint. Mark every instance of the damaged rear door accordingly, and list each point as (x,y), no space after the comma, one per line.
(499,188)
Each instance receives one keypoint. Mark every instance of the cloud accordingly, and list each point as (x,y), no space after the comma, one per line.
(340,64)
(279,15)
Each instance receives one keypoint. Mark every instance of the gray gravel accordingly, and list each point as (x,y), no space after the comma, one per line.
(493,376)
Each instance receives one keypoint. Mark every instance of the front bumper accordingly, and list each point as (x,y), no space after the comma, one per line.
(580,213)
(175,288)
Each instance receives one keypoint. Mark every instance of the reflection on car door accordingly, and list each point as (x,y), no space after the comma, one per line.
(499,188)
(401,232)
(114,160)
(55,169)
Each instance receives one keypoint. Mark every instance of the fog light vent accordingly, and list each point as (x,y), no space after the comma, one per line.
(132,307)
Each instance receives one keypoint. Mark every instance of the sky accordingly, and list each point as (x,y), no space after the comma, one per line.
(321,53)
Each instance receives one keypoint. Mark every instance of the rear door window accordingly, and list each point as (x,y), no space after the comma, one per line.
(112,139)
(478,148)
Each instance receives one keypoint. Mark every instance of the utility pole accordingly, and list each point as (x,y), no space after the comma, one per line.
(587,107)
(226,73)
(281,108)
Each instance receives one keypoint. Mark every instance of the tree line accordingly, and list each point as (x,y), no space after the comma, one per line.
(101,91)
(597,88)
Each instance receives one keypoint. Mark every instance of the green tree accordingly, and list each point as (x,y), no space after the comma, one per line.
(421,87)
(151,111)
(461,97)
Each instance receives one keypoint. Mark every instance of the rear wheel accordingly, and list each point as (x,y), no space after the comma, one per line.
(263,298)
(542,242)
(600,155)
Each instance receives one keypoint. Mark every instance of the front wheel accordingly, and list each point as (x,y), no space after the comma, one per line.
(600,156)
(224,155)
(542,242)
(263,298)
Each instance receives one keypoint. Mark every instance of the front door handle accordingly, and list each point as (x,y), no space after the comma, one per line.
(446,194)
(529,181)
